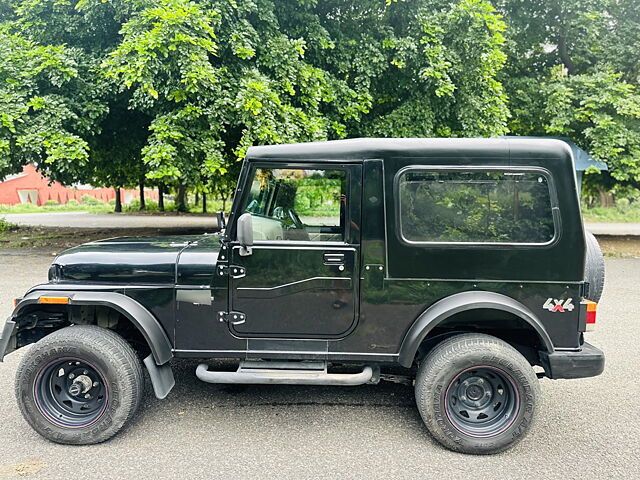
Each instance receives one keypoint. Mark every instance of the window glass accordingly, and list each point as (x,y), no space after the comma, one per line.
(475,206)
(298,204)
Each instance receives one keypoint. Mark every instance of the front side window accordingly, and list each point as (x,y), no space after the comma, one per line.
(298,204)
(474,207)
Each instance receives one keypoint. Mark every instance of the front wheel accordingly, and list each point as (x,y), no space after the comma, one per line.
(79,385)
(476,394)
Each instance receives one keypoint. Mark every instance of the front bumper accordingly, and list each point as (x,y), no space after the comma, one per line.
(5,338)
(588,362)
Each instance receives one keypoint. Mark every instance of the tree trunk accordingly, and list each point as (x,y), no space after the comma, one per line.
(118,200)
(606,198)
(142,204)
(564,55)
(197,198)
(204,202)
(181,198)
(161,197)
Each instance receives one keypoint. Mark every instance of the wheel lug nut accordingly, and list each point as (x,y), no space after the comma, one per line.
(84,372)
(87,396)
(95,384)
(72,376)
(480,381)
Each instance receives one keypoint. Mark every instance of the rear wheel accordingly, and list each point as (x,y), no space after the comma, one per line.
(476,394)
(79,385)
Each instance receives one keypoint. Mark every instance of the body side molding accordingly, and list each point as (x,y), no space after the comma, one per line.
(461,302)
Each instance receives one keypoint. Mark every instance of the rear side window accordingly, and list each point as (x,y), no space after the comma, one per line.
(471,206)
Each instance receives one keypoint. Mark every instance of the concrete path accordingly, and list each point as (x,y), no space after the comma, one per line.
(614,228)
(111,220)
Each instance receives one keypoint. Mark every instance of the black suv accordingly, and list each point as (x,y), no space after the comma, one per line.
(459,264)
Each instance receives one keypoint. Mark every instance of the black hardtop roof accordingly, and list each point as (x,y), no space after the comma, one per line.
(361,148)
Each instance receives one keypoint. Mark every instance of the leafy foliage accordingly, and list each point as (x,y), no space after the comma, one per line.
(115,91)
(573,71)
(39,121)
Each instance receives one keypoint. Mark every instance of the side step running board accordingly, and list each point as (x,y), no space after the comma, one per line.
(298,373)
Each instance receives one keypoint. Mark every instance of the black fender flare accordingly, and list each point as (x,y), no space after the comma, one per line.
(461,302)
(144,321)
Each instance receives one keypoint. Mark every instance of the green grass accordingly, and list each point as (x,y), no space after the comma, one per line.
(623,213)
(6,226)
(133,207)
(152,206)
(30,208)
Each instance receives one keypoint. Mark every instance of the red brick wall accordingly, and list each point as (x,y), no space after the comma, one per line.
(32,180)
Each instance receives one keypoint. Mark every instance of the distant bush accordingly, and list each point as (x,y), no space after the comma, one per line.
(623,204)
(133,205)
(89,200)
(51,203)
(149,205)
(72,202)
(6,226)
(112,202)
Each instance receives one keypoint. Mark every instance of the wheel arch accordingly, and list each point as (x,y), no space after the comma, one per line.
(137,314)
(448,307)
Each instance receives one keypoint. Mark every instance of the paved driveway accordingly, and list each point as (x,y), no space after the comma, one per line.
(587,428)
(603,228)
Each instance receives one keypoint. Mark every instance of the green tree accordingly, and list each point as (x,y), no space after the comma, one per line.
(572,71)
(178,90)
(219,76)
(40,122)
(425,68)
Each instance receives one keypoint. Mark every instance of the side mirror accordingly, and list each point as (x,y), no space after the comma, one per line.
(222,222)
(245,234)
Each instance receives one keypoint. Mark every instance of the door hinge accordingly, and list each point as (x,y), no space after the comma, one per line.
(232,318)
(234,271)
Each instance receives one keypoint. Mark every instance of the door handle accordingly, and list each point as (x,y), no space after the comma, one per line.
(333,258)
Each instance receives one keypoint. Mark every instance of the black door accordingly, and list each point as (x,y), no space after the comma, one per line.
(301,278)
(296,291)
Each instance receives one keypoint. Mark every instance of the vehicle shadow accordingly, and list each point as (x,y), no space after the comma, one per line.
(193,396)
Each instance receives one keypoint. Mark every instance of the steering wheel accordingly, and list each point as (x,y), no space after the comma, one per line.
(297,223)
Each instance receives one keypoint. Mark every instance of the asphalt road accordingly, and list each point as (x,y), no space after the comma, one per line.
(587,428)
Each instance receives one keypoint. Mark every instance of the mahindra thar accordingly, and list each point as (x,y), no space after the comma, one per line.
(459,265)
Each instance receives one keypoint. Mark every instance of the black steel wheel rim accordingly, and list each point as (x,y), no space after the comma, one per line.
(482,401)
(71,392)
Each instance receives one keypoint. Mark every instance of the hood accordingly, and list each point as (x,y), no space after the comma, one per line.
(125,261)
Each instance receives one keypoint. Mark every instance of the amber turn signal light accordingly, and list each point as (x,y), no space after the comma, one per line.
(63,300)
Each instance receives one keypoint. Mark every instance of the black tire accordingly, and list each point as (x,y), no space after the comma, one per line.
(476,357)
(64,409)
(594,267)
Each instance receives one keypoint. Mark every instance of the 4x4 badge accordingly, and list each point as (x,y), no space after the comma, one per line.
(554,305)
